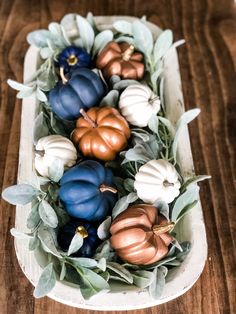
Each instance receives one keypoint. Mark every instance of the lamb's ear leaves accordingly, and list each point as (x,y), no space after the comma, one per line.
(86,32)
(20,194)
(75,244)
(142,37)
(163,44)
(46,282)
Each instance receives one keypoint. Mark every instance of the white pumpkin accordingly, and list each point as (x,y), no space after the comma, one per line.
(138,103)
(50,148)
(157,179)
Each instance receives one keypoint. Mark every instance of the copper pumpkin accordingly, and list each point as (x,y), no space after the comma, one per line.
(101,133)
(140,236)
(120,59)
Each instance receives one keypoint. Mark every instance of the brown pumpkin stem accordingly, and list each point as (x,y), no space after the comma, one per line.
(62,75)
(104,188)
(88,119)
(167,183)
(160,229)
(126,55)
(152,100)
(82,231)
(40,152)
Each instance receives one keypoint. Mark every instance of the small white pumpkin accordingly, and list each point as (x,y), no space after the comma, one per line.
(138,103)
(50,148)
(157,179)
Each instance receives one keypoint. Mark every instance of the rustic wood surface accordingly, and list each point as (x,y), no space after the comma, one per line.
(207,63)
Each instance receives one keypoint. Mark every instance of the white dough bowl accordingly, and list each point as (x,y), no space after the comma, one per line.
(191,228)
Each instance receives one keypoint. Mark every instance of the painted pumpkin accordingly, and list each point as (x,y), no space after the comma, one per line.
(87,191)
(73,57)
(120,59)
(86,229)
(157,179)
(50,148)
(138,103)
(101,133)
(140,236)
(83,90)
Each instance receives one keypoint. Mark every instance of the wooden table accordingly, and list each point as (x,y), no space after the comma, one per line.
(207,63)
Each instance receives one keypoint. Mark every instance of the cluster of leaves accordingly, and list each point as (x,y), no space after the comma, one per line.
(158,140)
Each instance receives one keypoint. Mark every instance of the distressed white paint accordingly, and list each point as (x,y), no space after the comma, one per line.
(192,226)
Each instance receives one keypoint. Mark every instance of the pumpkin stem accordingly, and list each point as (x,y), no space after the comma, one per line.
(160,229)
(62,75)
(126,55)
(87,118)
(167,183)
(104,188)
(40,152)
(82,231)
(152,100)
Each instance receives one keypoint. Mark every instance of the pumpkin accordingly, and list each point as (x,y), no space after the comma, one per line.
(101,133)
(140,236)
(87,191)
(50,148)
(120,59)
(84,89)
(86,229)
(138,103)
(157,179)
(72,57)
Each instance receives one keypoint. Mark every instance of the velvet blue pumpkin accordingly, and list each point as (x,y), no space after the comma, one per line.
(72,57)
(86,229)
(83,90)
(87,191)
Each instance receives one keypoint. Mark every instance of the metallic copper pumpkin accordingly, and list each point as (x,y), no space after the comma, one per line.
(120,59)
(140,236)
(101,133)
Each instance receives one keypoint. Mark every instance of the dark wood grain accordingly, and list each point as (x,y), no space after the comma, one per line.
(207,63)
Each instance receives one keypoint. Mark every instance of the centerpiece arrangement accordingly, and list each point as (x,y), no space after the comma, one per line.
(108,193)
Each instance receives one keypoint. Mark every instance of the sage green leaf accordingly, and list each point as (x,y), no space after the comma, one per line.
(110,100)
(194,180)
(86,32)
(40,95)
(185,210)
(76,244)
(48,239)
(70,26)
(127,39)
(142,278)
(46,282)
(46,53)
(20,235)
(140,135)
(34,243)
(114,79)
(83,262)
(103,230)
(123,27)
(162,262)
(33,218)
(20,194)
(26,93)
(129,185)
(102,264)
(157,286)
(56,170)
(43,180)
(163,44)
(105,251)
(40,127)
(188,197)
(186,247)
(163,208)
(123,203)
(18,86)
(47,214)
(142,37)
(176,244)
(124,83)
(90,19)
(187,117)
(155,76)
(91,283)
(121,271)
(63,271)
(101,40)
(153,124)
(39,38)
(167,123)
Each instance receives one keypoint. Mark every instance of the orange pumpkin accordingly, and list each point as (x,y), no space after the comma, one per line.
(101,133)
(140,236)
(120,59)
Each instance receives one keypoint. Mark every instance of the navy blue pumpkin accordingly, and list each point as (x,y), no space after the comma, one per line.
(87,191)
(72,57)
(84,89)
(88,232)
